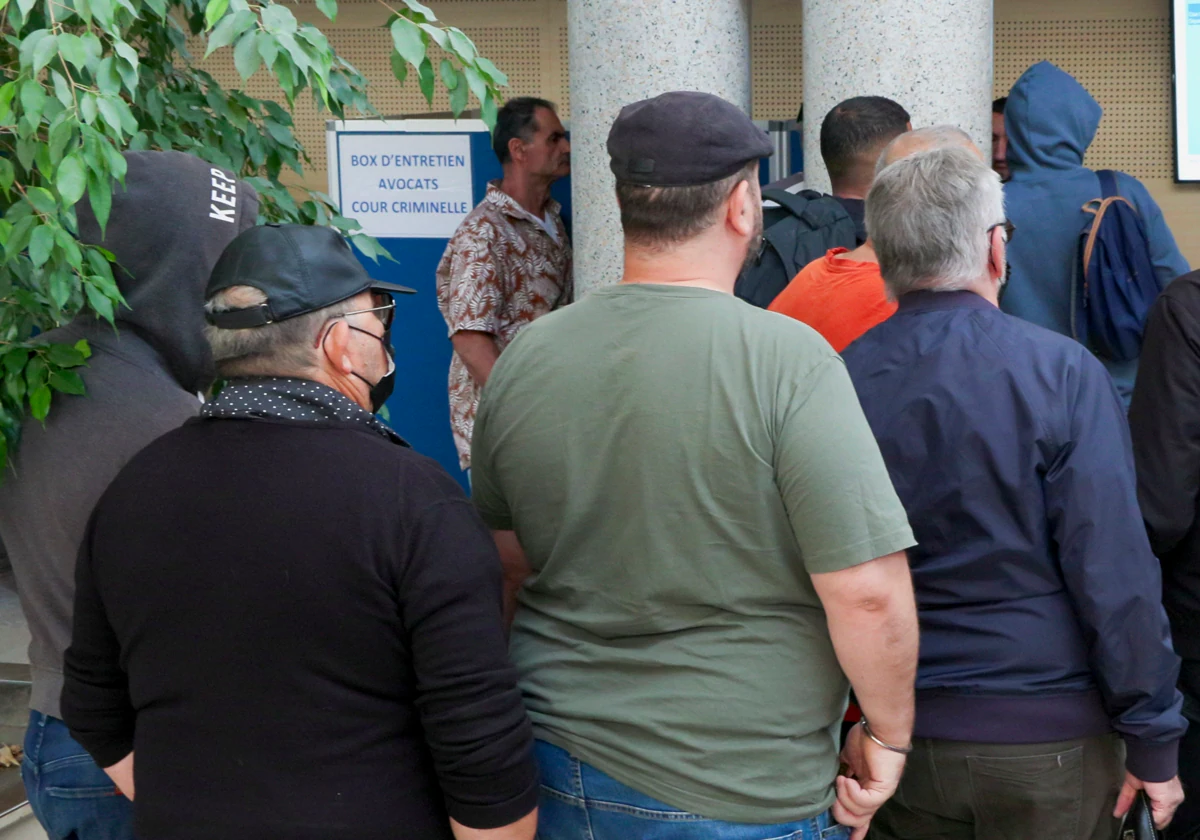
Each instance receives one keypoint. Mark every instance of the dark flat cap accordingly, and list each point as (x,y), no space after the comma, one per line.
(300,268)
(682,139)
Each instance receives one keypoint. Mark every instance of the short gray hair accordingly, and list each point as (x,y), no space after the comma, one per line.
(928,215)
(282,348)
(924,139)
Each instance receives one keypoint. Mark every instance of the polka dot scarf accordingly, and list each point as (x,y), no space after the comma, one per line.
(285,398)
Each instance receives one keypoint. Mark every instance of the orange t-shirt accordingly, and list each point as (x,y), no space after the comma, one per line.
(840,299)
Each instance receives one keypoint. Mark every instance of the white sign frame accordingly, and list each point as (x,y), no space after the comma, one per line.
(441,226)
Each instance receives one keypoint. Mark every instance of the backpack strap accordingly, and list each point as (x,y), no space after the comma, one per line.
(812,208)
(793,203)
(1097,207)
(1109,192)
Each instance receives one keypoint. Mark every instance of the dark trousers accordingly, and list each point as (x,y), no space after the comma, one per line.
(1186,825)
(954,790)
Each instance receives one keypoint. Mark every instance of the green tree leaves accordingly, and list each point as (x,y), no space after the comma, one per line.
(71,179)
(409,41)
(462,71)
(214,12)
(81,81)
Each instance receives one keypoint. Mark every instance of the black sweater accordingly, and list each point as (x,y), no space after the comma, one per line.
(298,629)
(1164,419)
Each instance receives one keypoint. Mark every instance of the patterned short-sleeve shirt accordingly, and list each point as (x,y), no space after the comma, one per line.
(501,270)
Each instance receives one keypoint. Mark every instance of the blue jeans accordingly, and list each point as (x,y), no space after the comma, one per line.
(71,796)
(578,802)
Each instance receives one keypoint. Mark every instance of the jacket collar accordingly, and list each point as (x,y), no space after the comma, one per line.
(927,301)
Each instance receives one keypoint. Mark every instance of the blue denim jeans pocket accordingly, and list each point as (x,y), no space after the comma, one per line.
(70,795)
(579,802)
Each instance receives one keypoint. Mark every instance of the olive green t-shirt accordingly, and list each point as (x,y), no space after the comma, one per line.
(676,464)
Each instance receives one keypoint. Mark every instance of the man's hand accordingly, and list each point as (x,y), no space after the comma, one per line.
(1164,798)
(523,829)
(516,569)
(872,778)
(122,775)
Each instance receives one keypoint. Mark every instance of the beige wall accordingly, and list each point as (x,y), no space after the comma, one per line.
(1119,49)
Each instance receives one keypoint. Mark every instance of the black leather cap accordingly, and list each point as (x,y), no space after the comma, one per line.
(300,268)
(683,139)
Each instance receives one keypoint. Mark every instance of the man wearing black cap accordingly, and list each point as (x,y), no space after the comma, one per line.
(711,531)
(304,639)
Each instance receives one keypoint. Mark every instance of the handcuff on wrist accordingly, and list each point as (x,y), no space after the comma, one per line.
(866,728)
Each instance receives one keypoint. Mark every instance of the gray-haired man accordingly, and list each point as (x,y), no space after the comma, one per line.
(1043,642)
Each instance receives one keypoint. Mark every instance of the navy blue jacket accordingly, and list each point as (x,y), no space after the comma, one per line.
(1039,597)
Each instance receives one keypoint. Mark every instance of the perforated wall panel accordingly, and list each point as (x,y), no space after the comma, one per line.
(1123,61)
(777,70)
(1124,64)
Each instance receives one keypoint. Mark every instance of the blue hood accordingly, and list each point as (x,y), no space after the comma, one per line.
(1051,120)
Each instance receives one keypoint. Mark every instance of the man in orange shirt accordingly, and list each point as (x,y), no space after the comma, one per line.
(842,295)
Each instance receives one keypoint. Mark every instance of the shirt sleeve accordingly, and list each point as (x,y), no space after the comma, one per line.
(471,709)
(470,290)
(1111,575)
(839,497)
(1164,419)
(95,700)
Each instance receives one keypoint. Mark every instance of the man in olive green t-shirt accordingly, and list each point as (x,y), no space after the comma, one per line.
(711,539)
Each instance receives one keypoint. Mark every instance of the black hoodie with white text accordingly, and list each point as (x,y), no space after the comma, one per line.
(167,228)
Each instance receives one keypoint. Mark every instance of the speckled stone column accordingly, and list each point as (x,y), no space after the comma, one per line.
(934,57)
(625,50)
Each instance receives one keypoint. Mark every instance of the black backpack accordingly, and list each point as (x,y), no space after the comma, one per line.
(803,228)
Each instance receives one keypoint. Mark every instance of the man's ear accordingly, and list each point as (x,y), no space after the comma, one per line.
(739,213)
(997,249)
(336,347)
(516,149)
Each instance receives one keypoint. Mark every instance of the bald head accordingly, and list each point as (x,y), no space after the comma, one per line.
(923,140)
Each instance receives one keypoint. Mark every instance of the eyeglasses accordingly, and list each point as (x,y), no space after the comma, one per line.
(385,312)
(1009,229)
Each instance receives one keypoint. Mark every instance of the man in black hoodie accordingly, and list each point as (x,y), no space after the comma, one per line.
(167,229)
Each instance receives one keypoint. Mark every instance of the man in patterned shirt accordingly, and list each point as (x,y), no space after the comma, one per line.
(509,262)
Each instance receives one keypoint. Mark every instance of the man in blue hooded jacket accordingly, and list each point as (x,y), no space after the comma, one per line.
(1051,120)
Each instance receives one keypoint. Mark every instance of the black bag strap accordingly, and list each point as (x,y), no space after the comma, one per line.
(793,203)
(1108,183)
(812,208)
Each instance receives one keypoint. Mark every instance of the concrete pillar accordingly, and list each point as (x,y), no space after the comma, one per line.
(625,50)
(934,57)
